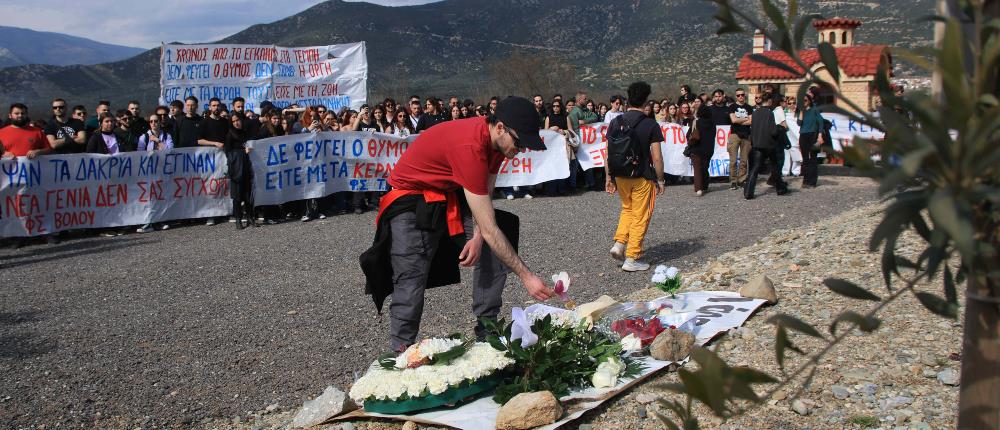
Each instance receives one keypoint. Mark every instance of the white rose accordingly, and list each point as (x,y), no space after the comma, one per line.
(631,343)
(604,378)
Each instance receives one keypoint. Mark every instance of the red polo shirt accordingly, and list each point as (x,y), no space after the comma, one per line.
(451,155)
(20,140)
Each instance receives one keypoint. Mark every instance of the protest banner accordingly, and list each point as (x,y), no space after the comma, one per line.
(59,192)
(535,167)
(333,75)
(76,191)
(844,130)
(593,149)
(313,165)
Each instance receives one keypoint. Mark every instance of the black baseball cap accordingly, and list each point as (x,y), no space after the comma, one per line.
(519,114)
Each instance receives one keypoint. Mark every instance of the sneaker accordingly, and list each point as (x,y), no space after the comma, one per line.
(510,197)
(232,219)
(618,251)
(145,229)
(210,222)
(528,196)
(358,211)
(269,221)
(734,186)
(321,216)
(305,218)
(165,227)
(699,193)
(108,233)
(631,265)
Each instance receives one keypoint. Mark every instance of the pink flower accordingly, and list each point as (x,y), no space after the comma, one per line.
(561,282)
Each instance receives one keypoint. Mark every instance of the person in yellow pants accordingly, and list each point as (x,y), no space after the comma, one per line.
(638,188)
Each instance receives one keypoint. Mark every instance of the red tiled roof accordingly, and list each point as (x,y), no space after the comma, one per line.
(836,22)
(854,61)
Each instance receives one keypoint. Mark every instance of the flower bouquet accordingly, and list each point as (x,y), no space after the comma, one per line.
(636,324)
(430,373)
(555,350)
(667,279)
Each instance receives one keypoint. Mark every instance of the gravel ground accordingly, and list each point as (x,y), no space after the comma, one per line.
(903,377)
(200,325)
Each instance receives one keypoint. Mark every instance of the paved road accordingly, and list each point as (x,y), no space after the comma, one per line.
(171,328)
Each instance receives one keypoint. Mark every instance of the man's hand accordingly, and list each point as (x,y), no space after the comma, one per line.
(536,288)
(471,252)
(33,153)
(659,187)
(609,186)
(8,155)
(219,145)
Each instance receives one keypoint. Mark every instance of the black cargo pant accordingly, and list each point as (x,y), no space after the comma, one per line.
(412,252)
(758,156)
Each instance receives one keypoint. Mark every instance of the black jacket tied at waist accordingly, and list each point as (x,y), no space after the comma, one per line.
(376,261)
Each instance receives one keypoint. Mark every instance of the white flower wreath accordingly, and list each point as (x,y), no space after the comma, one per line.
(379,383)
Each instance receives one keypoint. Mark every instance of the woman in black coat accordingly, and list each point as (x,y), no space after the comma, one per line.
(104,140)
(702,149)
(240,175)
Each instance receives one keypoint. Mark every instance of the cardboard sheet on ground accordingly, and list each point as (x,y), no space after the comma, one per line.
(716,312)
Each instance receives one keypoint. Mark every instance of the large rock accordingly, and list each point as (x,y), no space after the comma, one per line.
(529,410)
(671,345)
(760,288)
(331,403)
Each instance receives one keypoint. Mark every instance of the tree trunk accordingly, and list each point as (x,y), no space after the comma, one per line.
(979,400)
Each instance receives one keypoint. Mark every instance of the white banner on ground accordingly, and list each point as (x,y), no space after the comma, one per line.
(333,75)
(313,165)
(61,192)
(716,312)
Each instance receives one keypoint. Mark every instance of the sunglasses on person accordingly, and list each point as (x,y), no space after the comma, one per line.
(154,121)
(63,107)
(517,140)
(740,95)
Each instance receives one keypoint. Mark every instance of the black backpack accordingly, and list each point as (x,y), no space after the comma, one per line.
(624,149)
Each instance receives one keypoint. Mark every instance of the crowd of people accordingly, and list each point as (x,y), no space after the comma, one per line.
(181,124)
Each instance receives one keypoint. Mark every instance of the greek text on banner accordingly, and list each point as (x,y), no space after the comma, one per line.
(334,75)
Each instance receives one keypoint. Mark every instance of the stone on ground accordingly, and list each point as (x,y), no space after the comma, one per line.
(331,403)
(760,288)
(529,410)
(672,345)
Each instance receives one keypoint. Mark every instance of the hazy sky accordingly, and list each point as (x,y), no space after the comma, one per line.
(145,24)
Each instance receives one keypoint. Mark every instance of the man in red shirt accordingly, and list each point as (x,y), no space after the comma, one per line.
(441,199)
(19,139)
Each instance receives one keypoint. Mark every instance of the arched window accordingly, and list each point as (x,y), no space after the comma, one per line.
(844,38)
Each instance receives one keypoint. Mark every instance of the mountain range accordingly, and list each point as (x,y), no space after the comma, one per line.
(21,46)
(475,48)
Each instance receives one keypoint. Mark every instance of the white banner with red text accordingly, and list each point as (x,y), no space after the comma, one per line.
(314,165)
(335,76)
(593,146)
(52,193)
